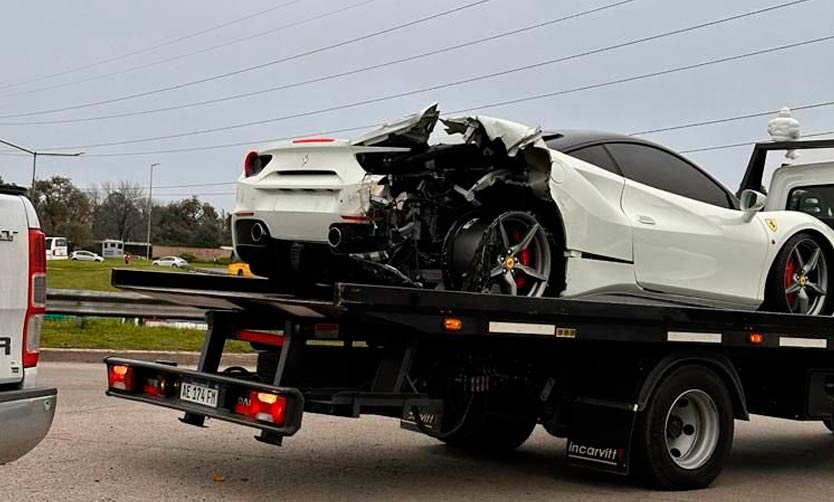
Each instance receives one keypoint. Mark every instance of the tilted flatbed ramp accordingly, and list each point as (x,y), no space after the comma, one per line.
(488,314)
(617,379)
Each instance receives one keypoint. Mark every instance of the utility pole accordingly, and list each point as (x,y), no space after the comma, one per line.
(150,210)
(35,154)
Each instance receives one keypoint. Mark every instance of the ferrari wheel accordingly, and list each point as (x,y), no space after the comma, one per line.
(509,254)
(798,282)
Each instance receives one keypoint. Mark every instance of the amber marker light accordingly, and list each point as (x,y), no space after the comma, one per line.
(755,338)
(452,324)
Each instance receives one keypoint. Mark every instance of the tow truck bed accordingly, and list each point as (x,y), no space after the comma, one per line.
(441,361)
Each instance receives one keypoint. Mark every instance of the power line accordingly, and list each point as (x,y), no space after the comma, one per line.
(193,53)
(745,143)
(260,65)
(731,119)
(496,104)
(354,71)
(153,47)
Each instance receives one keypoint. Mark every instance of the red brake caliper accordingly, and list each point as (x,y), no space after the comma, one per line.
(790,268)
(523,258)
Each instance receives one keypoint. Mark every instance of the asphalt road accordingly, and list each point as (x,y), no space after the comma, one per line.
(106,449)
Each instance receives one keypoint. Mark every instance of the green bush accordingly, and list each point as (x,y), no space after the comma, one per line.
(224,260)
(189,257)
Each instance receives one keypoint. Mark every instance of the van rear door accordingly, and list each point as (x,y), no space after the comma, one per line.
(14,285)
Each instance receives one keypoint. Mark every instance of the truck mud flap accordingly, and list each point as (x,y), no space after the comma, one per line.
(600,433)
(239,399)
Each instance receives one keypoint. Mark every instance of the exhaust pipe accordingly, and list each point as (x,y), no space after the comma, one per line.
(334,237)
(345,238)
(257,232)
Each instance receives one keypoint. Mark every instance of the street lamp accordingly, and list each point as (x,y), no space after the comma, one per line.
(150,211)
(35,155)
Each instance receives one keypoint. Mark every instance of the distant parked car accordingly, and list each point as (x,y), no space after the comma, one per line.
(170,261)
(86,256)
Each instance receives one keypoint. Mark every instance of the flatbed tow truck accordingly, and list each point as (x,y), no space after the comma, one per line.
(635,388)
(645,390)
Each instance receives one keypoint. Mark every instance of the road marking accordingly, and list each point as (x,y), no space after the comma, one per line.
(807,343)
(687,336)
(522,328)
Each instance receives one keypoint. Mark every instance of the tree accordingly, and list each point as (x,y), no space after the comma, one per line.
(189,222)
(121,212)
(63,209)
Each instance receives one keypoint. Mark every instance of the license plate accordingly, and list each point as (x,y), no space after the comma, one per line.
(199,394)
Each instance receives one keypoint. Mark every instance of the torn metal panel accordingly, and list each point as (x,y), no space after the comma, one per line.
(412,130)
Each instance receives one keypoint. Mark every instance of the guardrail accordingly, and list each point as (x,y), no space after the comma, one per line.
(116,304)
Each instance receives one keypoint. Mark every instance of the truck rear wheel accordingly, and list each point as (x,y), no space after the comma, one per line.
(491,433)
(484,422)
(684,435)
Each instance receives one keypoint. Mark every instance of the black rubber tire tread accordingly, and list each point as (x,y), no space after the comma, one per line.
(775,284)
(487,432)
(491,434)
(651,462)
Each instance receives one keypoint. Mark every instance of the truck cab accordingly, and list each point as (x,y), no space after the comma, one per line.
(806,186)
(26,411)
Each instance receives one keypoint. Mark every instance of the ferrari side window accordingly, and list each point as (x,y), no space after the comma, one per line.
(597,156)
(664,171)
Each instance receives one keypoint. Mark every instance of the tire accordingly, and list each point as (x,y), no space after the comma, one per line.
(484,423)
(511,253)
(795,267)
(684,435)
(490,433)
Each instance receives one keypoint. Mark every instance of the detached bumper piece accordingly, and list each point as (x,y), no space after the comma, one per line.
(276,411)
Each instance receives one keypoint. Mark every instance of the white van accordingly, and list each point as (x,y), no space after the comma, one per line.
(56,248)
(26,411)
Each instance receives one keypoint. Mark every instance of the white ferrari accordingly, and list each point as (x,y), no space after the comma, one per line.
(505,208)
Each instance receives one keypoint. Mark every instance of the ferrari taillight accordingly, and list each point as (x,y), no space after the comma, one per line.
(251,165)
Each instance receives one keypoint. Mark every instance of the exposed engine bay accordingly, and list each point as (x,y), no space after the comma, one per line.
(474,216)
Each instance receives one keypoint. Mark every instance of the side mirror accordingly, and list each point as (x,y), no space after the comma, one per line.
(751,203)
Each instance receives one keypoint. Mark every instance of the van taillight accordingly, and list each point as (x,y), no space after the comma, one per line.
(37,298)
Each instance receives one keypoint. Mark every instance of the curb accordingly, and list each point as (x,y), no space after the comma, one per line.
(182,358)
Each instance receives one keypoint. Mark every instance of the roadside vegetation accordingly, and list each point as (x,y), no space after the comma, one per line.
(68,274)
(117,335)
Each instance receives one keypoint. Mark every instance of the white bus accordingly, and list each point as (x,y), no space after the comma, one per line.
(56,248)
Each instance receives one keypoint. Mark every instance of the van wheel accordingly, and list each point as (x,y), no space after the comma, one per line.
(683,437)
(799,279)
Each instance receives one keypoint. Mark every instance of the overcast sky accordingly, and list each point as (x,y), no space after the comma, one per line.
(58,54)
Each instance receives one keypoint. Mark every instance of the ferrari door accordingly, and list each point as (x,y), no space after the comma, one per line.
(689,239)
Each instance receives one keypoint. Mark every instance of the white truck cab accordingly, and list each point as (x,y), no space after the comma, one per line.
(804,187)
(26,411)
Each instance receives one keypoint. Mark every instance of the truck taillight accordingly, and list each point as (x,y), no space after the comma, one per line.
(121,377)
(263,406)
(37,298)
